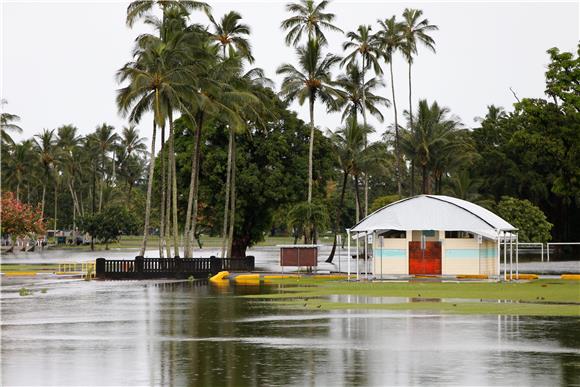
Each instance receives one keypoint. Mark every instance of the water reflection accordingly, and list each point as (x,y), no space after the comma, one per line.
(158,333)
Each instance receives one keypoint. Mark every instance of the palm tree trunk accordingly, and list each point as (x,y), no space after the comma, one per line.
(163,188)
(18,191)
(196,181)
(311,148)
(232,201)
(357,198)
(149,190)
(412,128)
(189,237)
(338,213)
(173,183)
(364,113)
(424,179)
(168,209)
(228,188)
(397,150)
(43,197)
(55,201)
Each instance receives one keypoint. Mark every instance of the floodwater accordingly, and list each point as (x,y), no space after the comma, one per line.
(193,333)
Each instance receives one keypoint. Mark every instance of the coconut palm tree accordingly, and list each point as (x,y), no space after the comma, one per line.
(390,39)
(106,141)
(18,164)
(313,81)
(363,44)
(414,32)
(46,150)
(349,145)
(230,35)
(69,143)
(139,9)
(308,19)
(7,124)
(431,136)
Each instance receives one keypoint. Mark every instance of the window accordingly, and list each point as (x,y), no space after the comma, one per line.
(394,234)
(459,235)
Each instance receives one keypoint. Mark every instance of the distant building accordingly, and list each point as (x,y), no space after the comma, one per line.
(434,234)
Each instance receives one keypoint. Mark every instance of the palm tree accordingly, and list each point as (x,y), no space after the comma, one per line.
(431,136)
(45,147)
(7,123)
(363,43)
(308,19)
(414,32)
(68,141)
(138,9)
(349,146)
(313,81)
(19,164)
(390,40)
(230,35)
(106,141)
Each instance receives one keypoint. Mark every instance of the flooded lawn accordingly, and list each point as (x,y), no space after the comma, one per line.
(181,333)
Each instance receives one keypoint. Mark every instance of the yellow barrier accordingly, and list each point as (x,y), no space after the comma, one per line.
(222,275)
(570,277)
(19,273)
(524,277)
(247,277)
(281,276)
(472,276)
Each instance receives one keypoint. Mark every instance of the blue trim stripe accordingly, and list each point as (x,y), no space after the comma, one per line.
(391,253)
(469,253)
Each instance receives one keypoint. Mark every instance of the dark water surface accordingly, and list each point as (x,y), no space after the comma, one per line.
(160,333)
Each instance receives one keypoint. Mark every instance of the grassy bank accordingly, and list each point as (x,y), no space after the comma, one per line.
(538,298)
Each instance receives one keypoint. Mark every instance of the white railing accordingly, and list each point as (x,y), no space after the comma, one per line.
(532,244)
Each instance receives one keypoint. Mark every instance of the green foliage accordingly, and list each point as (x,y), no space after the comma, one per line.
(23,292)
(382,201)
(108,225)
(306,218)
(527,218)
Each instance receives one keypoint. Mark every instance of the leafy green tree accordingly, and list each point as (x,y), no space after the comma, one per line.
(563,78)
(110,224)
(308,19)
(313,81)
(383,201)
(530,221)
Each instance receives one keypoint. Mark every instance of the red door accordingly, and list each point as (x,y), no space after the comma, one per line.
(426,261)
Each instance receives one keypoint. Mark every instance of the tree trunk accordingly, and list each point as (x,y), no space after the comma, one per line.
(168,208)
(18,191)
(232,200)
(149,190)
(55,201)
(163,188)
(364,113)
(357,198)
(311,148)
(174,184)
(196,180)
(228,189)
(397,150)
(43,198)
(189,235)
(424,179)
(338,215)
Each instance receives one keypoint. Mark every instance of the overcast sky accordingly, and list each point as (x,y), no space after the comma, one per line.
(59,58)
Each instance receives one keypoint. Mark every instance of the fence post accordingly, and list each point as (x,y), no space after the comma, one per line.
(215,265)
(139,264)
(251,262)
(100,268)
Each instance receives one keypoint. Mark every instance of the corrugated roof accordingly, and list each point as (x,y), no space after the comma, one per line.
(433,212)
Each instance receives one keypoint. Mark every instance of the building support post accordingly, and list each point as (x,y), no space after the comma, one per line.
(517,256)
(504,256)
(357,254)
(498,257)
(511,256)
(349,258)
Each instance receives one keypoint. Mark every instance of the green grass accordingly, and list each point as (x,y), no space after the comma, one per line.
(539,298)
(48,267)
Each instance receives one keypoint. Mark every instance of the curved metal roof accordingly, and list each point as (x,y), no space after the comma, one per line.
(433,212)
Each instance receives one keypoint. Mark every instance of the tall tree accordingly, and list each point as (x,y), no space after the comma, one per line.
(415,31)
(44,145)
(313,81)
(363,44)
(308,19)
(230,35)
(7,124)
(390,39)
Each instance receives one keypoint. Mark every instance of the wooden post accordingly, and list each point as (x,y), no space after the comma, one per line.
(100,268)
